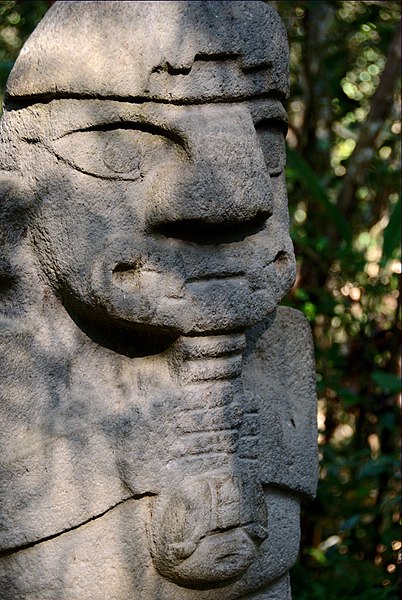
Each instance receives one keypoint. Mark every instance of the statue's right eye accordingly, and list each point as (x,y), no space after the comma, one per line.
(119,153)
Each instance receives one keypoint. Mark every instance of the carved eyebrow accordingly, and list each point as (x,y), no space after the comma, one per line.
(147,127)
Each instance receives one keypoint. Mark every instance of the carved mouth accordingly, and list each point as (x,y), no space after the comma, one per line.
(202,233)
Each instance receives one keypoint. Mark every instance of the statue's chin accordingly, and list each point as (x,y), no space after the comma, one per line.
(213,306)
(138,311)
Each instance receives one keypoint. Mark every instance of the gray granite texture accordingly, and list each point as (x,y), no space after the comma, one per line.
(157,407)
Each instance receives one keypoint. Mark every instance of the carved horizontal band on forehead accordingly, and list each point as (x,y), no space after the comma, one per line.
(168,51)
(57,117)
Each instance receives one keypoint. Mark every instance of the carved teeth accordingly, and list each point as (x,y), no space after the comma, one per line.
(207,369)
(213,518)
(204,358)
(199,443)
(202,420)
(211,346)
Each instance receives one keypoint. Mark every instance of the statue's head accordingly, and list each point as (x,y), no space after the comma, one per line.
(151,136)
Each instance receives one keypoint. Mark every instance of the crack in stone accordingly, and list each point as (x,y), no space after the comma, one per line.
(14,550)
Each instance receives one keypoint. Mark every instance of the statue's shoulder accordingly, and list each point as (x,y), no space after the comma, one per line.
(285,336)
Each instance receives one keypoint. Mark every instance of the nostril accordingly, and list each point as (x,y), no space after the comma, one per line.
(281,260)
(127,273)
(205,233)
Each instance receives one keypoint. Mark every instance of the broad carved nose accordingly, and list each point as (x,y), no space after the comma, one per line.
(221,193)
(233,175)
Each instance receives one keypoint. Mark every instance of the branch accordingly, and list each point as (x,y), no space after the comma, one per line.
(380,106)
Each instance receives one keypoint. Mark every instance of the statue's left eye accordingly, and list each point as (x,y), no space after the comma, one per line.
(119,153)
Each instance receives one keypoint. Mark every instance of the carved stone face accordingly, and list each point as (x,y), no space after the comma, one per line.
(167,212)
(164,216)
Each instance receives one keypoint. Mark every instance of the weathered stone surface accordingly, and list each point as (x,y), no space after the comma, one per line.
(161,51)
(157,412)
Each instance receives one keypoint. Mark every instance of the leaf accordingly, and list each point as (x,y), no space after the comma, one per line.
(318,555)
(389,420)
(313,184)
(349,398)
(387,381)
(376,467)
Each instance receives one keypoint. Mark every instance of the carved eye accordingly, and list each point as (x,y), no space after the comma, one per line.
(118,153)
(271,136)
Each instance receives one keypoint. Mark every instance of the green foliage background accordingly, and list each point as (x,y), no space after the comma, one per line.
(343,177)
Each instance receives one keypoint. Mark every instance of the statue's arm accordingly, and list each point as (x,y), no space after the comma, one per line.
(280,372)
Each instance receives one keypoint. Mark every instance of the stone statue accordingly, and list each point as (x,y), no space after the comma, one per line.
(157,406)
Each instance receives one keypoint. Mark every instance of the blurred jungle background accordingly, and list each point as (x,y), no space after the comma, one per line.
(343,177)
